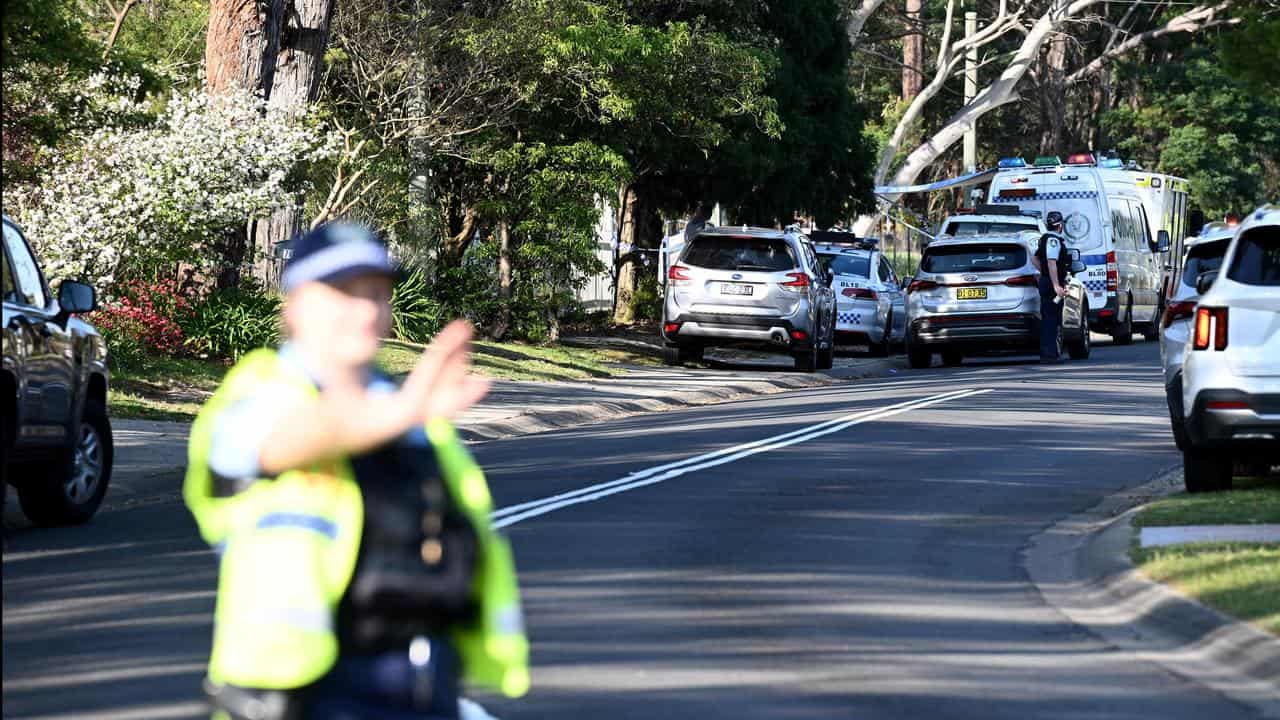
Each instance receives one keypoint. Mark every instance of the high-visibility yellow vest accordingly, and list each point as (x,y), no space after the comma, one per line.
(289,548)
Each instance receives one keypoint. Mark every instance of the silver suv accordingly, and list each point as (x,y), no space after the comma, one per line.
(741,286)
(978,294)
(1231,373)
(1203,254)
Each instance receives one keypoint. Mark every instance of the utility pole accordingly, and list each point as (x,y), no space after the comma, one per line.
(970,91)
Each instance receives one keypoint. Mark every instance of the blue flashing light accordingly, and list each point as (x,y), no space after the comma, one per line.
(1014,162)
(1115,163)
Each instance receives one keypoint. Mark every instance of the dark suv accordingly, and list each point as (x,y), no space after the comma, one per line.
(57,438)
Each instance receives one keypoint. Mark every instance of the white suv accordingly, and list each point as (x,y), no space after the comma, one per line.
(1203,254)
(1231,373)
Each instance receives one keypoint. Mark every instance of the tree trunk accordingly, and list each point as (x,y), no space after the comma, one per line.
(241,44)
(504,281)
(1054,96)
(304,34)
(913,53)
(625,284)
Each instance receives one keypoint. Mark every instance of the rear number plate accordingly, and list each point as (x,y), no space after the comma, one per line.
(731,289)
(971,293)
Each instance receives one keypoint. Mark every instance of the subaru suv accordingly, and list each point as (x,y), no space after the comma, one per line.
(752,287)
(1203,254)
(53,385)
(978,294)
(1231,372)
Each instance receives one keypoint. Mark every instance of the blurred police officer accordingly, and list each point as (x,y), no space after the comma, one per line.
(359,575)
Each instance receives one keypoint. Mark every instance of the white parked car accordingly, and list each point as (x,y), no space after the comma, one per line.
(1231,373)
(992,220)
(870,302)
(1203,253)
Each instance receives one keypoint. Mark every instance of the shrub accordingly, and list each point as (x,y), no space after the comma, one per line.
(144,318)
(416,315)
(231,322)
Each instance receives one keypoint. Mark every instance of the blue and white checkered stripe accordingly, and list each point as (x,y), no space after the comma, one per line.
(1095,286)
(1064,195)
(848,318)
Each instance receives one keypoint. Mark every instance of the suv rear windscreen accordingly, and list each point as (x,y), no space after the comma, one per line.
(1202,259)
(974,258)
(960,228)
(859,265)
(1257,259)
(719,252)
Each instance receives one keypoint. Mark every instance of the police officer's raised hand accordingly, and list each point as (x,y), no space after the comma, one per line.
(441,385)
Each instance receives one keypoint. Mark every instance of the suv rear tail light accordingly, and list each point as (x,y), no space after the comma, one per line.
(1210,323)
(917,285)
(1178,311)
(799,281)
(678,275)
(799,335)
(671,328)
(859,293)
(1021,281)
(1113,272)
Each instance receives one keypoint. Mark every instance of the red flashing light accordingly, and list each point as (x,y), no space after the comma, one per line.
(798,335)
(1081,159)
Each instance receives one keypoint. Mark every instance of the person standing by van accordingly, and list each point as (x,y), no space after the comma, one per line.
(1052,284)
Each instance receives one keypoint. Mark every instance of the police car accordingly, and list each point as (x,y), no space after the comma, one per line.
(869,300)
(992,220)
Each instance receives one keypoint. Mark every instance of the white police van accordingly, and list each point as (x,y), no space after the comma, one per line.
(1121,231)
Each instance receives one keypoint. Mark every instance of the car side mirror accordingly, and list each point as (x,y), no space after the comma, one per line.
(1078,267)
(1162,241)
(1205,281)
(76,297)
(1074,254)
(906,281)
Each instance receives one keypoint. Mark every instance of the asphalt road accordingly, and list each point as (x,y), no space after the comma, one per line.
(750,562)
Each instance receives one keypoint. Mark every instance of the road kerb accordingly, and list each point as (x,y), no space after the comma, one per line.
(1081,567)
(587,413)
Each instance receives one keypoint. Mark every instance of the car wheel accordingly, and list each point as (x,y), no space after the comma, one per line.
(827,356)
(806,360)
(1176,421)
(1205,470)
(918,356)
(952,358)
(1080,349)
(881,349)
(671,355)
(1123,334)
(1151,331)
(69,490)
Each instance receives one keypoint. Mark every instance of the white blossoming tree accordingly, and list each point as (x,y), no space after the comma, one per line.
(135,198)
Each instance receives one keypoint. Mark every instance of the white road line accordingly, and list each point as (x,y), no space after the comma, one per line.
(508,516)
(650,472)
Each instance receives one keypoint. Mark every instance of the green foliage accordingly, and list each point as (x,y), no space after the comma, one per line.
(1250,51)
(231,322)
(1201,123)
(416,314)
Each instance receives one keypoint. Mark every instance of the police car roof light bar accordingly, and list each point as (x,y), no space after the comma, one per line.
(1081,159)
(1115,163)
(1013,162)
(1047,161)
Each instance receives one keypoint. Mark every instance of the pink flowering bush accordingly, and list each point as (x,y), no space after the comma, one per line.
(145,318)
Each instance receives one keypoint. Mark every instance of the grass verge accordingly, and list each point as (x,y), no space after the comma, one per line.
(1241,579)
(174,389)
